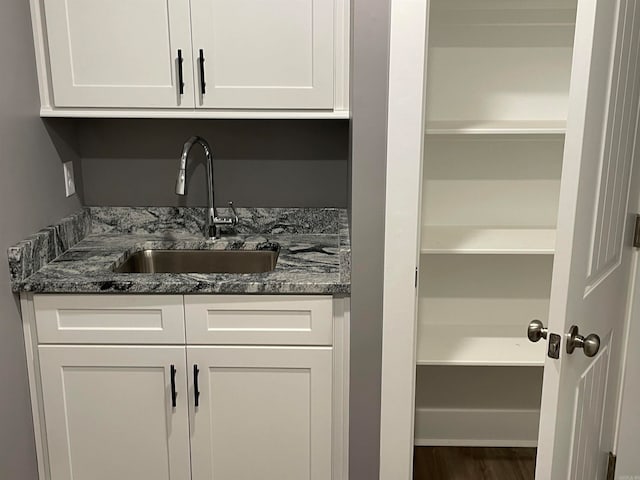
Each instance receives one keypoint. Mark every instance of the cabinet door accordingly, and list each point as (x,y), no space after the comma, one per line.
(264,412)
(120,53)
(109,415)
(264,54)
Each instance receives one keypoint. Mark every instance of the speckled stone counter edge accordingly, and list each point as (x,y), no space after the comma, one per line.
(345,247)
(30,255)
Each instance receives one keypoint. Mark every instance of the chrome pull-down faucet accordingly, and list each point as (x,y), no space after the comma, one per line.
(213,223)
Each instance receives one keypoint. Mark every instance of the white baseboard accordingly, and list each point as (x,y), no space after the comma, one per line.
(476,428)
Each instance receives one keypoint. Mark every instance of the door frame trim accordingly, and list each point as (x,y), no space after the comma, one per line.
(405,137)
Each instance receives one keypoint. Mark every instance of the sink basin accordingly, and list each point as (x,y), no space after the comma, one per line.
(199,261)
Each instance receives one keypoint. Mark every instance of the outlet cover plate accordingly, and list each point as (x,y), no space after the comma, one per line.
(69,182)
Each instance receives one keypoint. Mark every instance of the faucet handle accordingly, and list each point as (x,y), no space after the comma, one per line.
(235,214)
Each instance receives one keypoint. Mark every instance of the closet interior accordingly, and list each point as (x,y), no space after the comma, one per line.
(498,75)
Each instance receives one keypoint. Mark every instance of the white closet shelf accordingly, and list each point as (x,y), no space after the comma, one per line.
(479,240)
(496,127)
(473,345)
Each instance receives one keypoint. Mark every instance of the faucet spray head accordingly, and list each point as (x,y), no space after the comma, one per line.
(181,183)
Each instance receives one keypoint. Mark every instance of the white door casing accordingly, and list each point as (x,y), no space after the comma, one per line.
(405,133)
(593,247)
(108,412)
(271,405)
(275,54)
(99,58)
(628,422)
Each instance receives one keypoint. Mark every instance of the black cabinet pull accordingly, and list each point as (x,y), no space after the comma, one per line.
(180,76)
(174,394)
(196,388)
(203,84)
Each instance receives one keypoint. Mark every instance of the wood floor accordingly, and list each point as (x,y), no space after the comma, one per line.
(473,463)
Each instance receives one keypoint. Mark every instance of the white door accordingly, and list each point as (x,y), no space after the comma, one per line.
(263,54)
(593,251)
(109,412)
(263,412)
(120,53)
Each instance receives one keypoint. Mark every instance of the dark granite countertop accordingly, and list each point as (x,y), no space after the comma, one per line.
(78,254)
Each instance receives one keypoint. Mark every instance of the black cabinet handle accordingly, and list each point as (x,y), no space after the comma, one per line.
(196,388)
(180,76)
(174,394)
(203,84)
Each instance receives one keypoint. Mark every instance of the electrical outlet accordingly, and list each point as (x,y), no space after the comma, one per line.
(69,182)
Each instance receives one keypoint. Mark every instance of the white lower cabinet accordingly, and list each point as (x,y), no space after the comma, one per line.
(263,412)
(109,414)
(189,411)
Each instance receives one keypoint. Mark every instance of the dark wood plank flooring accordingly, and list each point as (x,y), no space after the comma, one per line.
(473,463)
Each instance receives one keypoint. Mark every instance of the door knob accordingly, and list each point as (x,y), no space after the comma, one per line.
(536,331)
(589,345)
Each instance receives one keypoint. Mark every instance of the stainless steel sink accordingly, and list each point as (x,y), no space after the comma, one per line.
(199,261)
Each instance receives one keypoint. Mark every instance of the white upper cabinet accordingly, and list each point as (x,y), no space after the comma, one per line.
(258,54)
(192,59)
(119,53)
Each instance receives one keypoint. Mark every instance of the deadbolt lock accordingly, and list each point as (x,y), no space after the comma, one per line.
(553,350)
(537,331)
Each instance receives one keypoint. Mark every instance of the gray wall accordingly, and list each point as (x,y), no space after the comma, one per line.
(132,162)
(268,163)
(369,95)
(32,193)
